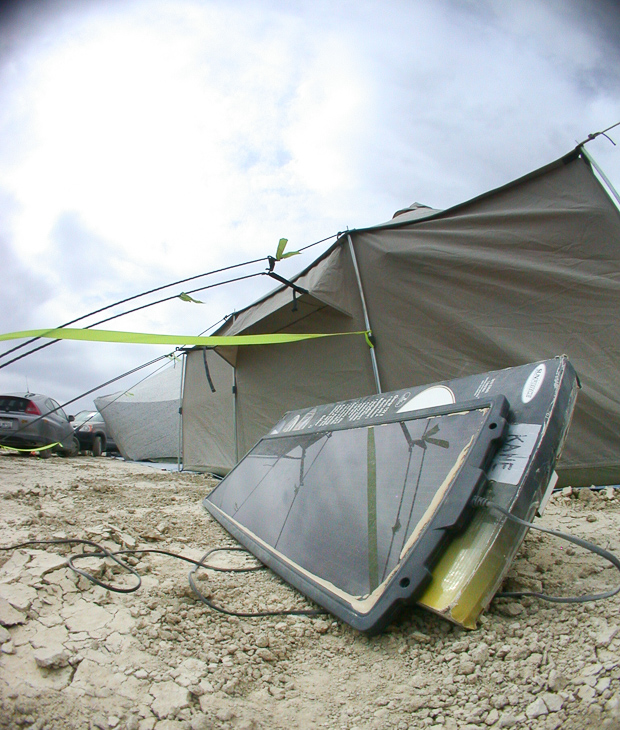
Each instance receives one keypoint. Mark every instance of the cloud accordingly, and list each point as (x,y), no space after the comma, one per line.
(21,290)
(141,142)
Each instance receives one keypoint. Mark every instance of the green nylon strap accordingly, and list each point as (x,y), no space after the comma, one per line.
(141,338)
(29,451)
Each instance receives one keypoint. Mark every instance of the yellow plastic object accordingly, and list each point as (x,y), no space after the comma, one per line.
(473,566)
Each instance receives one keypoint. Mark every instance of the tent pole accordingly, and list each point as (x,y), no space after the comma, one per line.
(373,356)
(602,175)
(181,388)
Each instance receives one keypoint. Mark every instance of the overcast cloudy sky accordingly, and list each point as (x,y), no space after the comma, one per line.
(142,141)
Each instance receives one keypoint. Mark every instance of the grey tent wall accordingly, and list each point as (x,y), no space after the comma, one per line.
(145,418)
(208,435)
(278,378)
(522,274)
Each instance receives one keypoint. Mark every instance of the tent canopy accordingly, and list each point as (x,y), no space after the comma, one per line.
(522,273)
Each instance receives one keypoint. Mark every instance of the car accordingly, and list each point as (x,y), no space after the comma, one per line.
(30,421)
(91,431)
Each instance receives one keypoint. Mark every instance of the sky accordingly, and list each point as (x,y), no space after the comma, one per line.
(145,141)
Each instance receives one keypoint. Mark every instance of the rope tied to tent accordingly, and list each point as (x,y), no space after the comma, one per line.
(603,132)
(370,339)
(184,296)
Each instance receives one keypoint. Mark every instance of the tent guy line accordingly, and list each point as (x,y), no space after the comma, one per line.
(183,296)
(92,390)
(603,132)
(143,338)
(269,259)
(137,296)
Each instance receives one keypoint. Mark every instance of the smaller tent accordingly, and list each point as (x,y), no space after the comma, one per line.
(145,420)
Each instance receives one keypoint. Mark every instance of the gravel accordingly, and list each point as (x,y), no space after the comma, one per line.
(73,655)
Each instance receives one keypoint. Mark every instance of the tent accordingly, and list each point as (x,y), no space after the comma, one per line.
(523,273)
(145,420)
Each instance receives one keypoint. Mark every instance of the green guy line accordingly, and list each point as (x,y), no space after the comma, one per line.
(142,338)
(31,450)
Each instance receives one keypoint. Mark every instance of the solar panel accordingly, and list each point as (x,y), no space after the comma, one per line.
(364,505)
(354,513)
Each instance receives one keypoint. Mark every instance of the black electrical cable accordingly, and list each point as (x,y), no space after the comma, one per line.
(482,502)
(102,552)
(138,296)
(135,296)
(592,488)
(129,311)
(242,614)
(200,563)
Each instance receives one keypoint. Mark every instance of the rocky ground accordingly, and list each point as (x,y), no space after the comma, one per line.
(74,655)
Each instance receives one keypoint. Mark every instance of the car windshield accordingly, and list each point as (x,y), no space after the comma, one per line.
(85,416)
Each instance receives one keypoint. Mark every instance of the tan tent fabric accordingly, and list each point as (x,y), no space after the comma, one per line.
(325,280)
(208,422)
(276,378)
(522,273)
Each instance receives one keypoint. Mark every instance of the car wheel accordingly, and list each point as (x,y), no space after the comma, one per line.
(73,450)
(97,446)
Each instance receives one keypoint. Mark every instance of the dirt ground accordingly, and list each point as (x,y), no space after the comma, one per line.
(74,655)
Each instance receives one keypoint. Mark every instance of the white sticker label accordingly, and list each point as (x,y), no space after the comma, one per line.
(533,383)
(512,459)
(435,396)
(291,424)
